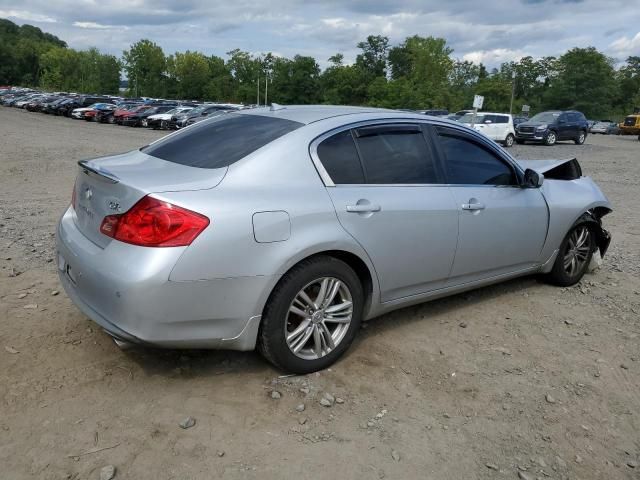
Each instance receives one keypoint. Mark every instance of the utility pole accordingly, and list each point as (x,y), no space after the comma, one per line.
(258,94)
(266,89)
(513,90)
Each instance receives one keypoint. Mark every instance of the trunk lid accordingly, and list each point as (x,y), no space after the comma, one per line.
(112,185)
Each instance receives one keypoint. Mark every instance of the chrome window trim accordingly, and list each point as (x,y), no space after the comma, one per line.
(328,182)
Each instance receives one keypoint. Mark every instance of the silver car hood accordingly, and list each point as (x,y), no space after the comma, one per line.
(154,175)
(542,166)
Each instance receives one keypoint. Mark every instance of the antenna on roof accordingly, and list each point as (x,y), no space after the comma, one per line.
(275,107)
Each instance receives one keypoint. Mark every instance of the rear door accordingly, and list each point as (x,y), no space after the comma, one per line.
(389,194)
(501,128)
(502,227)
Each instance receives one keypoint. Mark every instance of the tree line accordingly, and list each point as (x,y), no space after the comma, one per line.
(419,73)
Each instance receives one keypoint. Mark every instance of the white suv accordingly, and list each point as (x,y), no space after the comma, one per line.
(497,126)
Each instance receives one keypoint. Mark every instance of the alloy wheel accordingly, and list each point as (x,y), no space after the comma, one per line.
(509,141)
(576,252)
(551,138)
(318,318)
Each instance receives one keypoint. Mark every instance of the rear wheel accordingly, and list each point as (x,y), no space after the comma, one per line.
(574,256)
(551,139)
(163,124)
(581,138)
(508,142)
(312,316)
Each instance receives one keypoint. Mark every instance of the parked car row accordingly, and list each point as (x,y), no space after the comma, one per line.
(139,112)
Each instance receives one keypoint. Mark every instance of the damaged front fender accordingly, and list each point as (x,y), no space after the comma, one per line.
(593,218)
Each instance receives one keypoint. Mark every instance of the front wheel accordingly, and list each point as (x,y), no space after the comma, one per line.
(574,256)
(551,139)
(508,142)
(312,315)
(581,138)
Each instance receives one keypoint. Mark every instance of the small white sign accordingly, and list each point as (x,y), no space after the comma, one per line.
(526,108)
(478,100)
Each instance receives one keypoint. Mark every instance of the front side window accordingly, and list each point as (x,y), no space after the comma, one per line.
(395,154)
(468,163)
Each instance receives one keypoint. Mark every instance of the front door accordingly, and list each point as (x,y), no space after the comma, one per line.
(390,197)
(502,227)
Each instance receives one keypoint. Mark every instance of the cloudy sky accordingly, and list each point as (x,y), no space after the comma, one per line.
(491,31)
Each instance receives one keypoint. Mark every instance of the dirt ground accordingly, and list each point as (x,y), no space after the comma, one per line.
(518,380)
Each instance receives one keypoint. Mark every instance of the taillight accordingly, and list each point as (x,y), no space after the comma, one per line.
(73,196)
(154,223)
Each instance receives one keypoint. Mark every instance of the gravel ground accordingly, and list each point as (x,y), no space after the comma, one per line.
(541,382)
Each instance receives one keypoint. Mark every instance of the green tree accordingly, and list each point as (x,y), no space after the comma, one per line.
(220,86)
(191,71)
(295,81)
(145,66)
(340,84)
(584,81)
(426,64)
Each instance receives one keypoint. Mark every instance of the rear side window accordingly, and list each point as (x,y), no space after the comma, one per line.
(340,159)
(395,154)
(573,117)
(468,163)
(222,141)
(500,119)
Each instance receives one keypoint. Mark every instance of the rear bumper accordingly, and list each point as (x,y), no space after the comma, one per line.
(126,290)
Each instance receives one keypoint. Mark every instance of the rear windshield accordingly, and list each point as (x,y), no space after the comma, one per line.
(221,141)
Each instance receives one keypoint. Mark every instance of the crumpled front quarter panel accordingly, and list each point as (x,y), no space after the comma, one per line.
(567,200)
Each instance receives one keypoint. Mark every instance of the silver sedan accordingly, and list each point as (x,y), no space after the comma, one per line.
(283,228)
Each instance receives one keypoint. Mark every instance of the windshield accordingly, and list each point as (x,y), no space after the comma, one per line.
(468,117)
(545,117)
(196,110)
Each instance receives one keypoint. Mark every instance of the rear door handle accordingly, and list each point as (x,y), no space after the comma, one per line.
(473,206)
(365,208)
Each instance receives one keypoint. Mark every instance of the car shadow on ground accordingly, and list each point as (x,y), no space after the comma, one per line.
(210,363)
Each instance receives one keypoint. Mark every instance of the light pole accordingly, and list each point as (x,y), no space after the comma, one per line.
(513,90)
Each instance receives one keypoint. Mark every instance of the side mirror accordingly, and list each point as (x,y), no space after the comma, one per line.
(204,114)
(532,179)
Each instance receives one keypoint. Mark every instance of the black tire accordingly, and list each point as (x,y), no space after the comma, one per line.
(276,318)
(561,275)
(519,142)
(581,138)
(551,139)
(111,120)
(508,142)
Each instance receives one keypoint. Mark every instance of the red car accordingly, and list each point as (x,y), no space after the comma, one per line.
(120,114)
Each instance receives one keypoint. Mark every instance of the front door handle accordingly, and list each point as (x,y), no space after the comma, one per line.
(363,208)
(473,206)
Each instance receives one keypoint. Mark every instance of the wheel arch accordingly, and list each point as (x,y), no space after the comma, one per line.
(592,218)
(361,266)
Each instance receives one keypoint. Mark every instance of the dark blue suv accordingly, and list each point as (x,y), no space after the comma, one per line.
(552,126)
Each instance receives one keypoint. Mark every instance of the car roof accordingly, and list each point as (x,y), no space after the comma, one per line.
(311,113)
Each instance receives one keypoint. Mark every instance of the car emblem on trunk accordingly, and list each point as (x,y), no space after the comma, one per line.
(88,194)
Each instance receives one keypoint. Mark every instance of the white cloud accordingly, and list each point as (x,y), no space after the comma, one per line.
(625,46)
(495,56)
(92,25)
(27,16)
